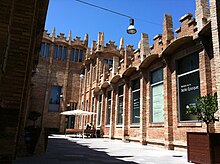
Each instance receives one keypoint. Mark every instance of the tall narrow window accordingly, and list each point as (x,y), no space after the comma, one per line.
(47,50)
(60,52)
(88,79)
(64,53)
(108,112)
(120,105)
(188,84)
(54,103)
(42,49)
(135,101)
(94,73)
(99,110)
(157,96)
(72,54)
(77,55)
(80,56)
(93,102)
(87,107)
(109,62)
(55,52)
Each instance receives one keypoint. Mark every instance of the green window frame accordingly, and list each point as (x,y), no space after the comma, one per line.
(157,96)
(135,115)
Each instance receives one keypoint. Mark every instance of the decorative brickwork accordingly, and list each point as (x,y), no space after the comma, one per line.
(166,52)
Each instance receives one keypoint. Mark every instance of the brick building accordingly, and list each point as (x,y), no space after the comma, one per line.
(56,81)
(122,89)
(21,30)
(142,93)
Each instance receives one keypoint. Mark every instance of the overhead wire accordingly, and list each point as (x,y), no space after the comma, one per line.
(115,12)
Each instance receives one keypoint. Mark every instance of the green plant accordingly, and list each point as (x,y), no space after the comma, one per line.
(205,108)
(34,115)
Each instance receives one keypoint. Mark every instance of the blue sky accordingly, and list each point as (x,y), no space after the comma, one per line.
(70,15)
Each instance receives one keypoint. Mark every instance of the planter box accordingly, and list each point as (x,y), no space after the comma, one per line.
(31,138)
(203,148)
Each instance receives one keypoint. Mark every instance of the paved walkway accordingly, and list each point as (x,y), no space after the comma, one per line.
(67,150)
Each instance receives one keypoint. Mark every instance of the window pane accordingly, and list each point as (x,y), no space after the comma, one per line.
(106,61)
(60,52)
(120,110)
(135,84)
(47,49)
(99,111)
(64,53)
(94,73)
(87,105)
(110,63)
(108,113)
(80,56)
(188,63)
(157,76)
(55,52)
(54,102)
(42,49)
(77,55)
(93,102)
(72,55)
(136,107)
(120,90)
(157,100)
(189,90)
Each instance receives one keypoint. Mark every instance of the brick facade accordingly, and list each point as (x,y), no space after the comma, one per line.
(105,67)
(21,30)
(129,64)
(62,70)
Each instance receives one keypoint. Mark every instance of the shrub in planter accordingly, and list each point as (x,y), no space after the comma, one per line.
(204,147)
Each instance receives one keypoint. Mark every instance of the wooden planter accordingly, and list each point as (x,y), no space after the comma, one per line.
(203,148)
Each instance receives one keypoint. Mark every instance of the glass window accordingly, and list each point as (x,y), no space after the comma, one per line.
(188,63)
(157,96)
(94,73)
(87,105)
(77,55)
(135,101)
(72,54)
(54,103)
(188,84)
(80,56)
(93,106)
(88,79)
(42,49)
(64,53)
(108,112)
(55,52)
(47,50)
(120,105)
(109,62)
(60,52)
(100,110)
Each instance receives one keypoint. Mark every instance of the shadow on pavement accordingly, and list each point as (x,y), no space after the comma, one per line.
(64,151)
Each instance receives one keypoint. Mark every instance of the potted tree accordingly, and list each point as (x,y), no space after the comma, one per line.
(204,147)
(32,133)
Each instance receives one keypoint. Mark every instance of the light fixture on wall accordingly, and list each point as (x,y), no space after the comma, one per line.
(131,29)
(61,95)
(81,76)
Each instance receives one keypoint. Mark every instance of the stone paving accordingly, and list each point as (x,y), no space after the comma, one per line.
(66,150)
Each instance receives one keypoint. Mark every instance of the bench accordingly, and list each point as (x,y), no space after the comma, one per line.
(74,131)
